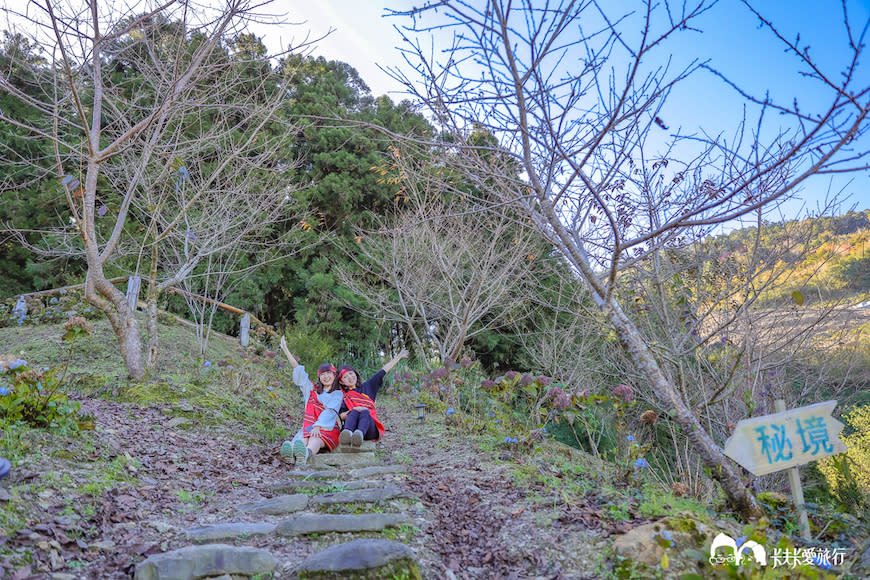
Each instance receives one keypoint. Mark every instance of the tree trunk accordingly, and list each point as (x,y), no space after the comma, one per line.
(100,292)
(722,470)
(103,295)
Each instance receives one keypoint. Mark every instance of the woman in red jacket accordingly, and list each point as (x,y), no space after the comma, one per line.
(322,401)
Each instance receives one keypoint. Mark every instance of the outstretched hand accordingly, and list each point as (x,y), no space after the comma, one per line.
(402,354)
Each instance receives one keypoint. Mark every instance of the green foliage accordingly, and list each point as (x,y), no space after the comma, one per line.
(47,310)
(33,396)
(342,193)
(309,347)
(848,475)
(32,200)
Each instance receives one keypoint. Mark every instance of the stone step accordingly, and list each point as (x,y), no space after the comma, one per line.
(366,472)
(361,459)
(296,485)
(369,495)
(366,446)
(204,561)
(283,487)
(228,531)
(283,504)
(359,560)
(309,473)
(363,484)
(324,523)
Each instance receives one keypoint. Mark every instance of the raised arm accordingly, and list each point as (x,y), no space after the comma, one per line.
(300,377)
(283,344)
(395,360)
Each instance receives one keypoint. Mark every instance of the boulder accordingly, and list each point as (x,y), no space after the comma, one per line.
(325,523)
(195,562)
(360,560)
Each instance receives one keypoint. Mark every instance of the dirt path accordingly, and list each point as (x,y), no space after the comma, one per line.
(480,524)
(474,522)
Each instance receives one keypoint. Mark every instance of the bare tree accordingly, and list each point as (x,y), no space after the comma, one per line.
(574,90)
(133,93)
(443,267)
(563,339)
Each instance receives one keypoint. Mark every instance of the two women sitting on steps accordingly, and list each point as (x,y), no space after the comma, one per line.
(355,401)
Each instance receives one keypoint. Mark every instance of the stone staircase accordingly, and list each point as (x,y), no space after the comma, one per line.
(343,493)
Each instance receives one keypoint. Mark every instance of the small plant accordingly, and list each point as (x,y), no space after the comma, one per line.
(848,475)
(195,498)
(76,327)
(33,395)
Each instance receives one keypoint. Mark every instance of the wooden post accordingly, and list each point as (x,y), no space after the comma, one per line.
(797,492)
(245,330)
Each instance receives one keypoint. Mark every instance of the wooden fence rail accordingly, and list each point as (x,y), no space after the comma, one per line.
(247,317)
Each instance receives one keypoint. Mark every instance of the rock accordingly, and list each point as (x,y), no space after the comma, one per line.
(360,560)
(178,422)
(678,536)
(4,495)
(362,484)
(360,495)
(227,531)
(297,485)
(774,500)
(102,546)
(185,406)
(283,504)
(376,470)
(366,446)
(161,527)
(322,523)
(639,545)
(362,459)
(196,562)
(67,521)
(861,568)
(308,474)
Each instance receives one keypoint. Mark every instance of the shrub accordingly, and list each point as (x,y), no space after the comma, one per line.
(32,395)
(848,474)
(46,309)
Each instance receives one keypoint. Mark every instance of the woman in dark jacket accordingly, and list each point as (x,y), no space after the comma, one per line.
(358,410)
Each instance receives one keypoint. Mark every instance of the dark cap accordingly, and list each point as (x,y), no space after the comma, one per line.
(325,368)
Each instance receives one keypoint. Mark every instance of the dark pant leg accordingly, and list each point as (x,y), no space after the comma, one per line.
(367,425)
(351,422)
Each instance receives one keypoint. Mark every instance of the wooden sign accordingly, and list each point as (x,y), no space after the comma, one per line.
(786,439)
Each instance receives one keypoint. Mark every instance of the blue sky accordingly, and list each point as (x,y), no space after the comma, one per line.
(732,39)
